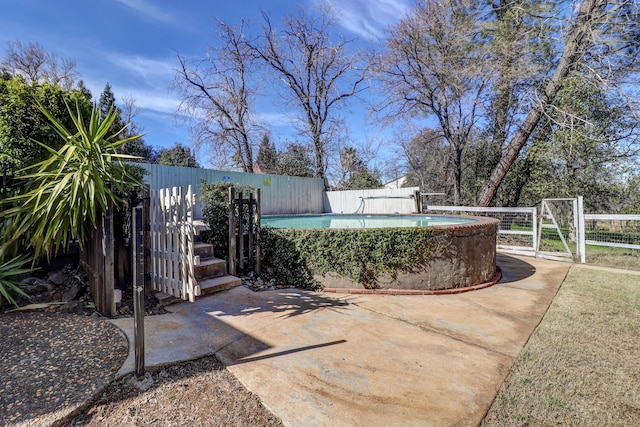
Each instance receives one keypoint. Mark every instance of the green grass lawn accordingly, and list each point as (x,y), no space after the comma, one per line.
(613,257)
(581,365)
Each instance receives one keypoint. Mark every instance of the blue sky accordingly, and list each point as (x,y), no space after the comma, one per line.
(132,44)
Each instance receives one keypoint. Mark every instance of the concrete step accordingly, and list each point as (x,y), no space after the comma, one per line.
(200,225)
(212,267)
(164,298)
(218,284)
(203,250)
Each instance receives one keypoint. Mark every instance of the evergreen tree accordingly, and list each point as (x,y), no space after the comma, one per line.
(22,123)
(136,147)
(179,155)
(268,156)
(297,160)
(107,100)
(83,90)
(356,175)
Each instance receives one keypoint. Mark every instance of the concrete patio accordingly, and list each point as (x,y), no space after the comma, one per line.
(319,359)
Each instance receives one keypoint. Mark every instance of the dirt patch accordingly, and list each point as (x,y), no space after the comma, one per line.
(196,393)
(580,366)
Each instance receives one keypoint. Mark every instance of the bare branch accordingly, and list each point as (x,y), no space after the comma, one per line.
(318,74)
(35,64)
(216,93)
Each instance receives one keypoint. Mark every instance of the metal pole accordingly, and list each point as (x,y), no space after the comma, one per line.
(138,290)
(108,245)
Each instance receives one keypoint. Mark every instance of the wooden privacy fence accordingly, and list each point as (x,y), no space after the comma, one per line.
(98,257)
(172,242)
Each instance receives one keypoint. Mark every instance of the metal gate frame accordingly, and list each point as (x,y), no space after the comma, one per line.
(578,225)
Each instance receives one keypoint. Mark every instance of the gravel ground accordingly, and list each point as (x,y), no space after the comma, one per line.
(59,369)
(52,364)
(195,393)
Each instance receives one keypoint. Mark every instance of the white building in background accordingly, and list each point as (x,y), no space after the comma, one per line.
(396,183)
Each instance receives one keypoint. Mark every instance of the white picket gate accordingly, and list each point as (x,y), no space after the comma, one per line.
(172,242)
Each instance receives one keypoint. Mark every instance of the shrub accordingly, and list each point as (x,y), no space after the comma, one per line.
(64,194)
(8,270)
(294,256)
(283,261)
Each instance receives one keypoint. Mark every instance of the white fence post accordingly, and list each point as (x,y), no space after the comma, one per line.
(582,247)
(534,226)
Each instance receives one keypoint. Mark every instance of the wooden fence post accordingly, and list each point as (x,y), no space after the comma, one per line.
(257,237)
(232,233)
(95,267)
(243,253)
(251,206)
(240,221)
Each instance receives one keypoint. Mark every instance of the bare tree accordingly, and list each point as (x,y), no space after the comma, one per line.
(318,73)
(129,113)
(435,66)
(217,94)
(493,68)
(602,35)
(426,157)
(138,147)
(35,64)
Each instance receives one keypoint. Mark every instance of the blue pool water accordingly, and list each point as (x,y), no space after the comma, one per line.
(359,221)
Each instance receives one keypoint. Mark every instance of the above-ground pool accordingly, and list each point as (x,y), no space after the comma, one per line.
(465,255)
(361,221)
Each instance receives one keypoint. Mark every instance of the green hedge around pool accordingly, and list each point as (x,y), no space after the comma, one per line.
(294,256)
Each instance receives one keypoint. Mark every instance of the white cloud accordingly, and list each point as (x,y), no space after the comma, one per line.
(275,119)
(148,9)
(158,99)
(369,18)
(153,71)
(153,100)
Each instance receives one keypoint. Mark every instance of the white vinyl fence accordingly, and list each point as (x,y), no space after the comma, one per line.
(517,230)
(172,245)
(377,201)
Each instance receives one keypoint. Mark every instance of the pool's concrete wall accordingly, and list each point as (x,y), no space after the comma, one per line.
(279,194)
(466,256)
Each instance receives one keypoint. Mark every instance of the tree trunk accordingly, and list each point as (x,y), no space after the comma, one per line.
(457,175)
(577,39)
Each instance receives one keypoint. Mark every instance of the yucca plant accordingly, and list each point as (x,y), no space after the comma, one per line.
(9,270)
(65,194)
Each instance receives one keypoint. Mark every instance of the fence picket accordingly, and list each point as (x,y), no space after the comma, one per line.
(172,242)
